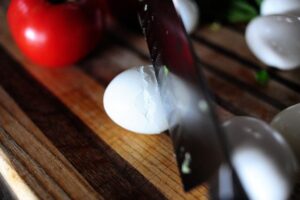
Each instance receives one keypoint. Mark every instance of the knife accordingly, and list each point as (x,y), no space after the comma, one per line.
(197,137)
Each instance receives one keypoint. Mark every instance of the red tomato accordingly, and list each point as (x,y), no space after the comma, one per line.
(55,34)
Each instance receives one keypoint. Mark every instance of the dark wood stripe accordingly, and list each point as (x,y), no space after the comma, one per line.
(104,169)
(238,29)
(275,103)
(233,109)
(247,63)
(24,171)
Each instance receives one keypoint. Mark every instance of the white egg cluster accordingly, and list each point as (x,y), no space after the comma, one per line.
(274,37)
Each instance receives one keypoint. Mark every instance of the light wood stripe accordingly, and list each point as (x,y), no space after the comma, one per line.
(12,179)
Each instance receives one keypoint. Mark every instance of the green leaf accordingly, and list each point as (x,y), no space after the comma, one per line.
(262,77)
(240,11)
(259,2)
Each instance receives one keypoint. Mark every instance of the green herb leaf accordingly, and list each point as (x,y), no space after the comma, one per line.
(241,11)
(262,77)
(259,2)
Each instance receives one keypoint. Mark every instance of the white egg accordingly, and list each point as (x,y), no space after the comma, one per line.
(274,39)
(271,7)
(287,122)
(189,13)
(264,163)
(259,176)
(133,102)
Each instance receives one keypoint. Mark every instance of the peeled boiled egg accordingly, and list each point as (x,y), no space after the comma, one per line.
(274,39)
(189,13)
(287,122)
(264,163)
(132,101)
(271,7)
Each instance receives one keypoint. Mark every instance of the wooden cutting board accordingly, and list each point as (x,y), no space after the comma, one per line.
(56,142)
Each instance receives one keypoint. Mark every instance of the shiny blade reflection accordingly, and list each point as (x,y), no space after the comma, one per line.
(193,125)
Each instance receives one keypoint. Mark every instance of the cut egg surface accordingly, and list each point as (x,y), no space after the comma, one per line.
(132,101)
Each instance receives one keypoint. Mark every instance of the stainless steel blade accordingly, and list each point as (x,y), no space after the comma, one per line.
(193,125)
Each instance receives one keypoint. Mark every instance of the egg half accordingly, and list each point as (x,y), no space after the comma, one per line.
(132,101)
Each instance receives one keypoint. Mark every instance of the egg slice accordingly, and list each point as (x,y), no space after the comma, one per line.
(287,122)
(274,39)
(133,102)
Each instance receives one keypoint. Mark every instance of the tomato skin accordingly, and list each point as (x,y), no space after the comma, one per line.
(55,35)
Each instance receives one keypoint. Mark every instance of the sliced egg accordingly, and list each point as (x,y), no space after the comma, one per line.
(133,102)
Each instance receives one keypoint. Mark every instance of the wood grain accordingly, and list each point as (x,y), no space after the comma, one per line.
(52,176)
(15,186)
(105,171)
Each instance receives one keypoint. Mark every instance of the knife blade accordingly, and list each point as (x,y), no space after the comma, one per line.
(193,124)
